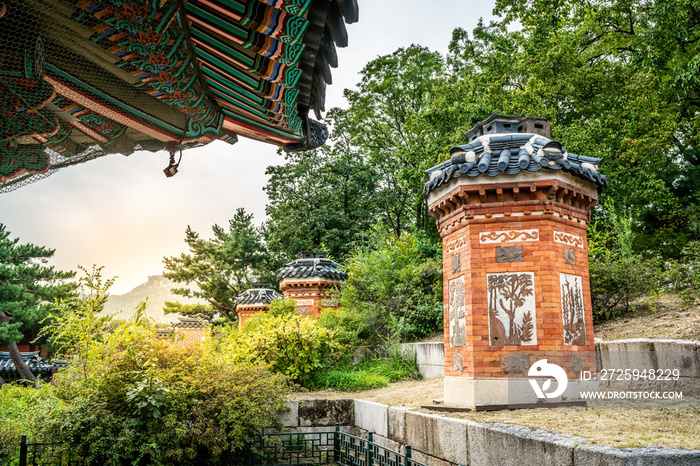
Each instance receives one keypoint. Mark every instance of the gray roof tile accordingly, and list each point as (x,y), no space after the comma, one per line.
(312,267)
(36,364)
(258,294)
(512,153)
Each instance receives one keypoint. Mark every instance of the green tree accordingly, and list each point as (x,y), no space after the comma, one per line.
(27,285)
(616,79)
(380,122)
(324,199)
(222,266)
(395,284)
(74,324)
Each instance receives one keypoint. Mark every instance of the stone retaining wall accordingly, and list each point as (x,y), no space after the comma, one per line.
(430,357)
(640,352)
(442,441)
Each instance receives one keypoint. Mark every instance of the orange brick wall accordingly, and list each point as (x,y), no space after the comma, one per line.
(309,295)
(246,312)
(468,212)
(185,336)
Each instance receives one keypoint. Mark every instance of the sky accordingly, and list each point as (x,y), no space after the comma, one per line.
(124,214)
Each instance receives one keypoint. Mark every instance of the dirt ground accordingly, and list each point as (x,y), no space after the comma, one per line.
(628,427)
(409,393)
(665,319)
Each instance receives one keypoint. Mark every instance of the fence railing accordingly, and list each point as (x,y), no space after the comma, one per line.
(49,454)
(275,448)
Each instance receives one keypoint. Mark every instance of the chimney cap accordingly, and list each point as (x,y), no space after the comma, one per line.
(500,124)
(498,146)
(257,295)
(311,255)
(312,264)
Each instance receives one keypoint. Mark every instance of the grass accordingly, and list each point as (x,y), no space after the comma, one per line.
(667,319)
(371,373)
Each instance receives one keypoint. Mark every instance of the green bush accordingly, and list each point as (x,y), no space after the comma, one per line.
(395,286)
(282,307)
(21,412)
(617,283)
(619,276)
(683,276)
(374,372)
(350,327)
(143,401)
(292,345)
(419,321)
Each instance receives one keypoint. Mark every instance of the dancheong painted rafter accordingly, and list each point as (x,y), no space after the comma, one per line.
(83,78)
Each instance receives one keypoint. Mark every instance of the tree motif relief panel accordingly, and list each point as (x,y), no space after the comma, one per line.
(512,313)
(572,311)
(457,312)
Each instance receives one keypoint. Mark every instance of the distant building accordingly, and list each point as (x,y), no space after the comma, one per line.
(36,364)
(256,299)
(188,331)
(309,280)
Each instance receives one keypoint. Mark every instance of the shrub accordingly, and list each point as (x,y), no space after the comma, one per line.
(146,401)
(349,327)
(282,307)
(419,321)
(683,276)
(618,276)
(21,412)
(395,284)
(292,345)
(617,283)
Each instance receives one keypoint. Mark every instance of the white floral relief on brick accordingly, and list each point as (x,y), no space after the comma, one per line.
(305,302)
(568,239)
(572,311)
(509,236)
(458,321)
(456,244)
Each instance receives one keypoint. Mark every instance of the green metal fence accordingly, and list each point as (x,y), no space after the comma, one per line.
(277,448)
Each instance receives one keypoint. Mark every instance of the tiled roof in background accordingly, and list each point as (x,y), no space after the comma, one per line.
(312,265)
(36,365)
(258,294)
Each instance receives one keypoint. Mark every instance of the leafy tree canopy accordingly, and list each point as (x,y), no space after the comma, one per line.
(321,200)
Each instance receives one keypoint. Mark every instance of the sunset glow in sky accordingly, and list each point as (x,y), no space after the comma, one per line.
(124,214)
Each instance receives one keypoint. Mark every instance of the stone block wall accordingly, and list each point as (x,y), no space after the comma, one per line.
(442,441)
(430,357)
(660,355)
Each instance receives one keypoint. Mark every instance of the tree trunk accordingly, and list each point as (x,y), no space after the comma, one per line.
(22,369)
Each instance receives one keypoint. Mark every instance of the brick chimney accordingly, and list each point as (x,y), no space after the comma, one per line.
(512,208)
(309,279)
(255,299)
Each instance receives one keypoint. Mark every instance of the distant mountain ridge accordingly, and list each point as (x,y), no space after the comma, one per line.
(157,289)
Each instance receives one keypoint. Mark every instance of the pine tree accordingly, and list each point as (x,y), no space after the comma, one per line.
(27,284)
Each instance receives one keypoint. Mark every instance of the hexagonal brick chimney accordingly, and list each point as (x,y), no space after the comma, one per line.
(512,208)
(309,279)
(255,299)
